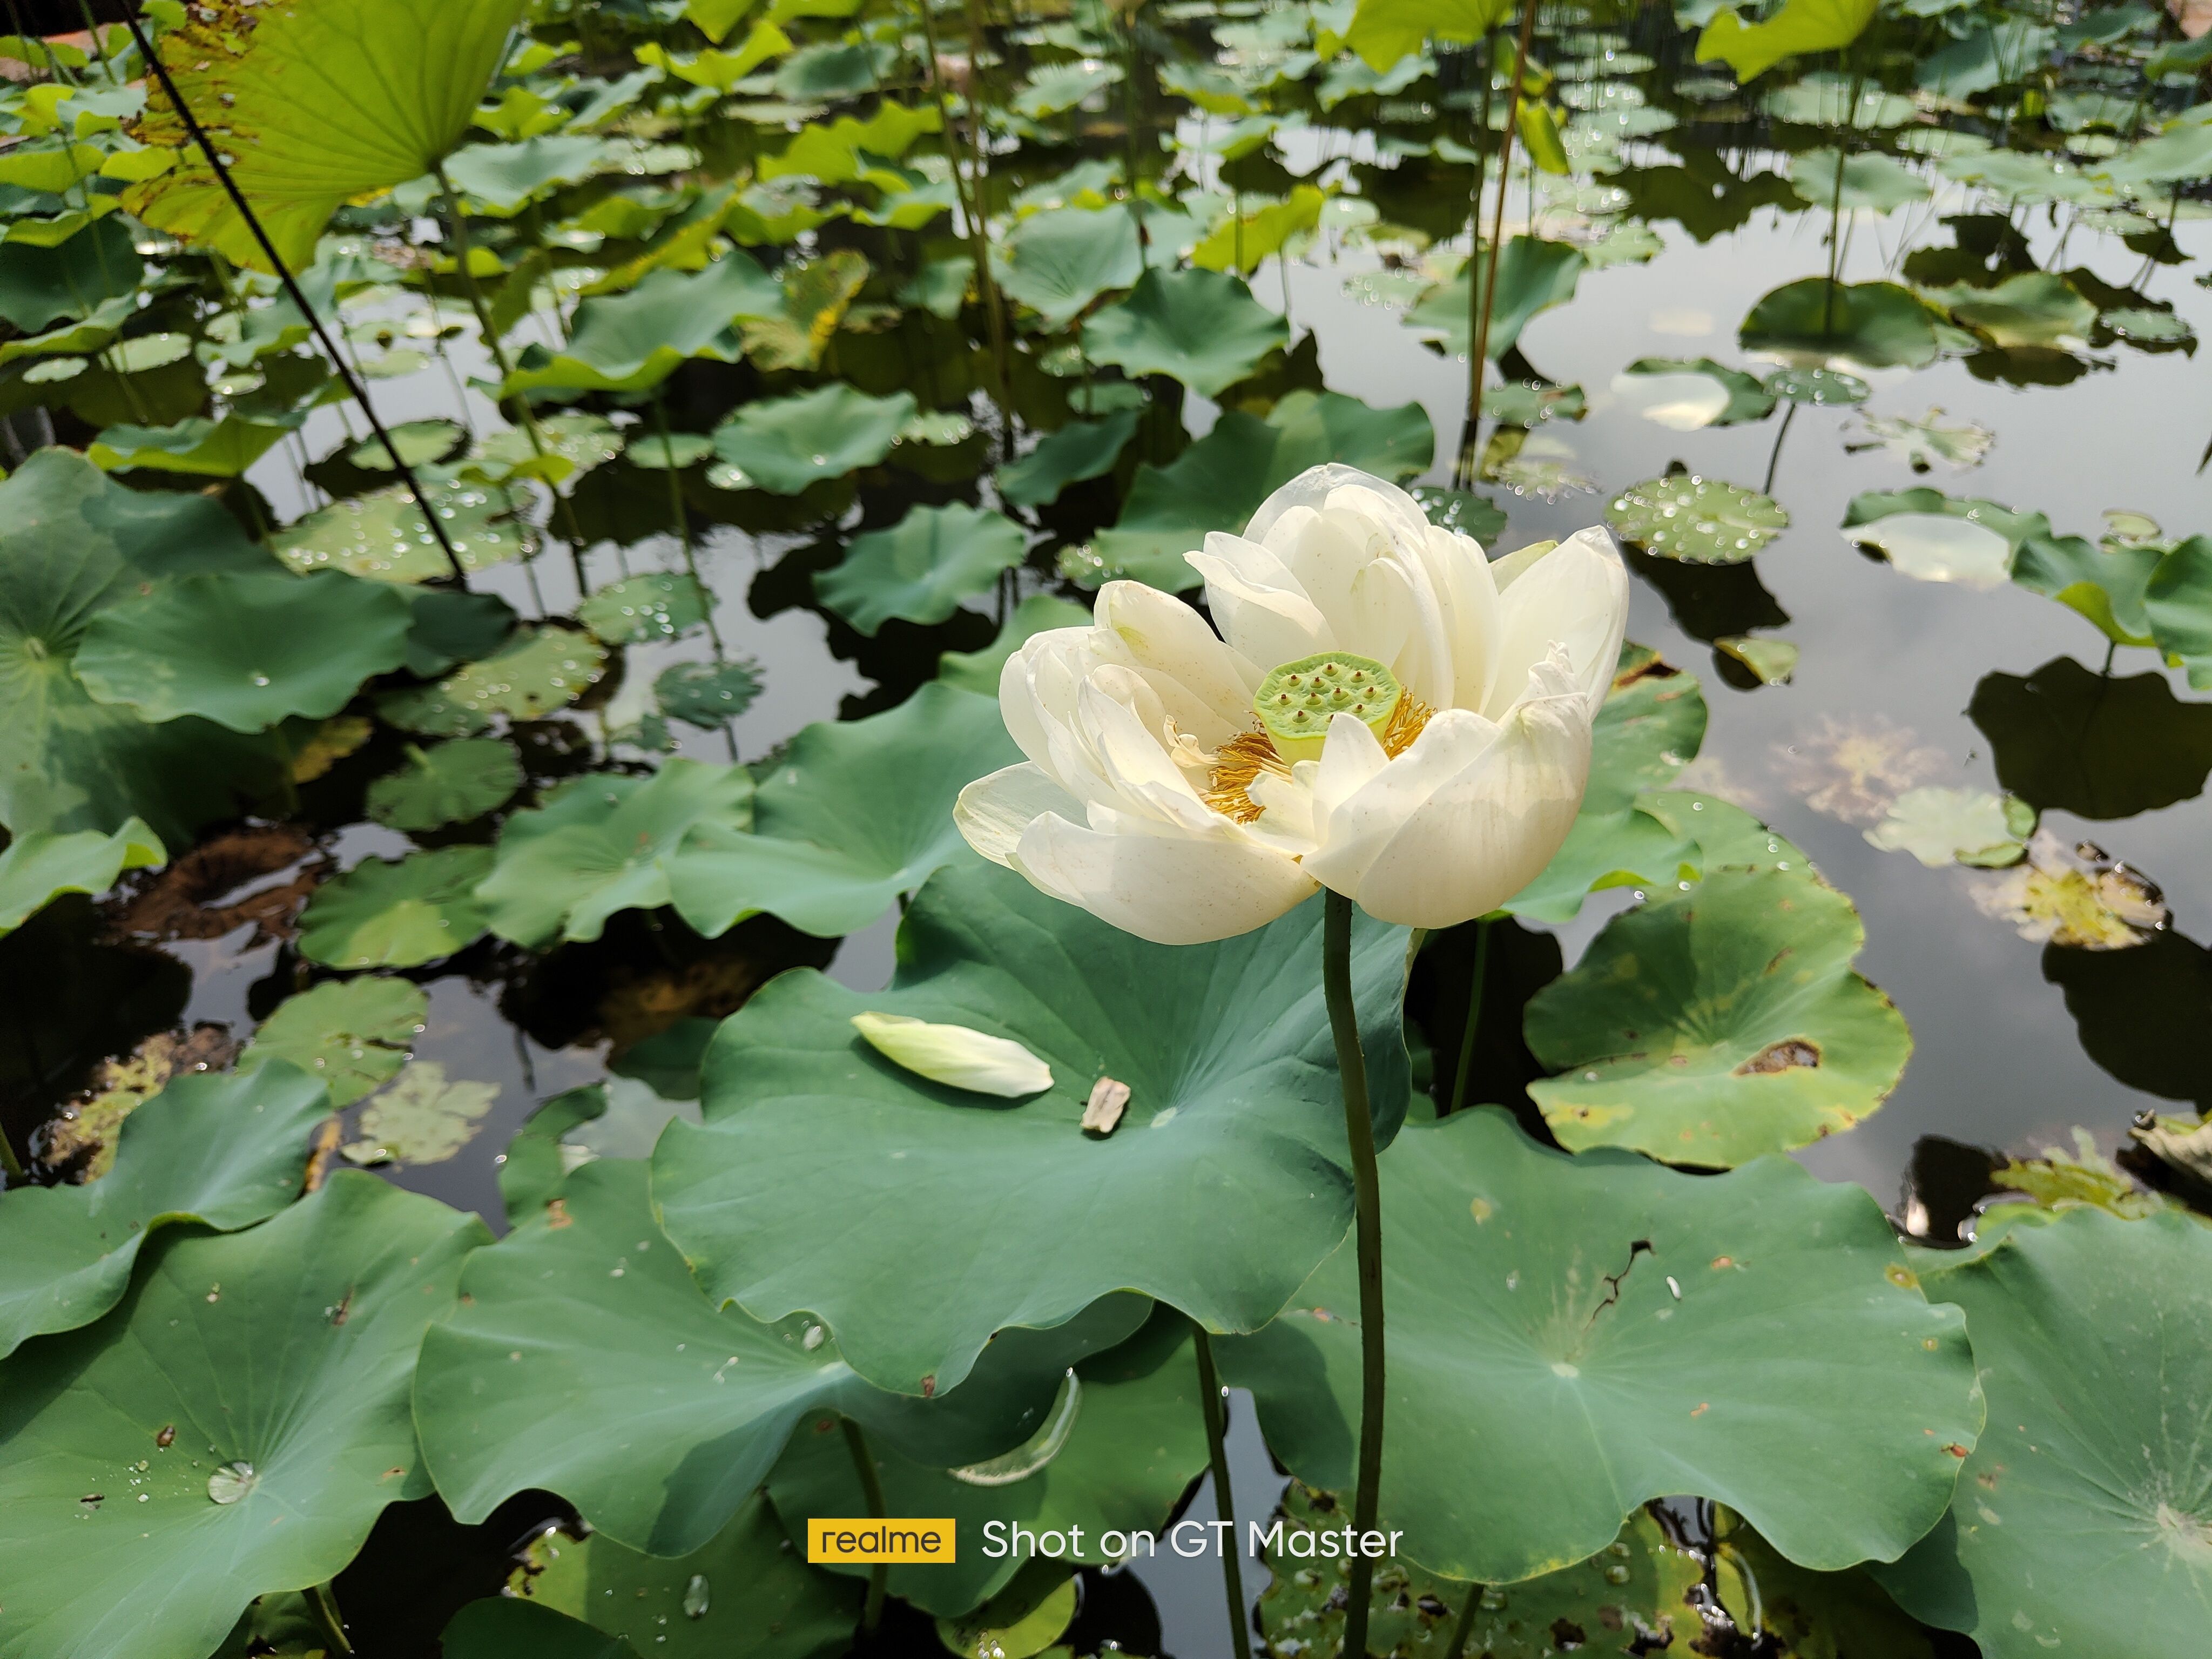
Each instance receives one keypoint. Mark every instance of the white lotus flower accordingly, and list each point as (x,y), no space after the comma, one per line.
(956,1055)
(1386,713)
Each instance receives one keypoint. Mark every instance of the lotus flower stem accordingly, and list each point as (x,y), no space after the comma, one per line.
(871,1486)
(1367,1230)
(1474,1011)
(1478,364)
(326,1611)
(1232,1574)
(1464,1627)
(11,1167)
(354,387)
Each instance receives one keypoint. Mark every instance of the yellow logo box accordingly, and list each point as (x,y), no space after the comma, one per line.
(901,1543)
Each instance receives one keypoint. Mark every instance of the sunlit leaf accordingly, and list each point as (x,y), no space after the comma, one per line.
(645,608)
(1956,826)
(1801,26)
(352,1036)
(1200,327)
(541,670)
(633,342)
(1695,520)
(922,569)
(381,915)
(39,868)
(783,444)
(1382,32)
(1058,261)
(1533,276)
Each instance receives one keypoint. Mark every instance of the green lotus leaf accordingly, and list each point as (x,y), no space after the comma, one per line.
(379,915)
(1726,836)
(502,1627)
(1708,1027)
(1870,324)
(420,443)
(633,342)
(707,694)
(645,608)
(452,783)
(1827,98)
(745,1594)
(672,452)
(812,298)
(1060,260)
(784,445)
(1809,1613)
(1533,276)
(980,671)
(1200,327)
(920,569)
(315,103)
(1770,662)
(651,1411)
(1384,32)
(38,868)
(722,70)
(195,445)
(352,1036)
(1850,182)
(540,670)
(2031,308)
(503,178)
(221,1151)
(1589,1332)
(1532,402)
(1078,451)
(262,1377)
(247,651)
(453,626)
(60,347)
(1938,537)
(1121,1443)
(1921,443)
(72,544)
(423,1118)
(1687,393)
(383,535)
(835,152)
(41,286)
(1956,826)
(1220,481)
(2177,604)
(1823,386)
(2102,746)
(1225,1178)
(1801,28)
(585,441)
(1640,1582)
(1056,87)
(2083,1519)
(1696,520)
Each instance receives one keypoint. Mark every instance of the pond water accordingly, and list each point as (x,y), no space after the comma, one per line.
(2016,1042)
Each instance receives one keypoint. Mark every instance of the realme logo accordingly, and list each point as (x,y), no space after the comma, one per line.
(900,1542)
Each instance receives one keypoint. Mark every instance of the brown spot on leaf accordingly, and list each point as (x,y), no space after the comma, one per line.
(556,1214)
(1901,1276)
(1567,1636)
(1790,1053)
(1956,1450)
(929,1387)
(167,1437)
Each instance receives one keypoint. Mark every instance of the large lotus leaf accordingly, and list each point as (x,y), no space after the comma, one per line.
(1533,276)
(502,1627)
(1220,481)
(2068,738)
(603,843)
(1939,538)
(72,543)
(2177,603)
(859,813)
(2108,585)
(1224,1183)
(384,535)
(1801,28)
(1078,451)
(1807,1615)
(920,568)
(380,915)
(1057,261)
(247,651)
(2083,1523)
(663,606)
(633,342)
(503,177)
(1125,1439)
(538,671)
(223,1151)
(39,286)
(194,445)
(784,445)
(352,1036)
(260,1379)
(2030,308)
(314,103)
(1568,1337)
(1849,182)
(1200,327)
(745,1594)
(654,1412)
(1708,1027)
(1873,324)
(1697,520)
(1687,394)
(1383,31)
(38,868)
(452,783)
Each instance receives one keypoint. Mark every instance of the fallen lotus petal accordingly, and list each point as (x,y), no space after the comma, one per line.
(1108,1099)
(954,1056)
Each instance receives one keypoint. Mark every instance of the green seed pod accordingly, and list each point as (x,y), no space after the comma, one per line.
(1298,701)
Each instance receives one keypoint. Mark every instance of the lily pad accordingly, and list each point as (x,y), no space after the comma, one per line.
(451,783)
(653,451)
(246,651)
(1770,662)
(1919,444)
(1826,386)
(1058,261)
(352,1036)
(2177,604)
(654,1412)
(1081,450)
(1533,276)
(384,535)
(381,915)
(2030,308)
(1708,1027)
(422,1118)
(1861,180)
(262,1378)
(1696,520)
(1225,1178)
(1200,327)
(223,1153)
(707,694)
(540,670)
(1557,1325)
(420,443)
(1956,826)
(501,1627)
(195,445)
(1800,28)
(645,608)
(1871,324)
(784,445)
(38,868)
(633,342)
(1687,394)
(585,441)
(2082,1523)
(1942,539)
(920,570)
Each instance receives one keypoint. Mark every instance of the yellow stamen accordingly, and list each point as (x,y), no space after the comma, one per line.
(1239,762)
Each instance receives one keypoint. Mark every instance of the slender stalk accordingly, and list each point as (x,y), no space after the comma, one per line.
(971,194)
(354,387)
(1367,1230)
(872,1486)
(1464,1627)
(326,1610)
(10,1166)
(1479,363)
(1474,1012)
(1774,458)
(1232,1575)
(1463,469)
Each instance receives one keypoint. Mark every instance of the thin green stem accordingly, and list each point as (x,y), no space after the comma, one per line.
(1479,364)
(1367,1230)
(1217,1429)
(871,1487)
(1464,1627)
(326,1610)
(971,209)
(10,1165)
(1474,1013)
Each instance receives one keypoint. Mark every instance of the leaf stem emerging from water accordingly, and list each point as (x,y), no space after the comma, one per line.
(326,1610)
(871,1486)
(1367,1228)
(1224,1507)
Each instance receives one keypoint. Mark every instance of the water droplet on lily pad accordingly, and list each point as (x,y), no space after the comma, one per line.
(232,1482)
(695,1596)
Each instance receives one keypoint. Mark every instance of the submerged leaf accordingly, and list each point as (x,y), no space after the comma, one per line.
(422,1118)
